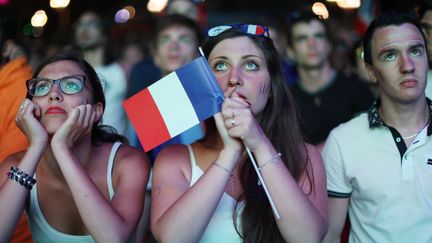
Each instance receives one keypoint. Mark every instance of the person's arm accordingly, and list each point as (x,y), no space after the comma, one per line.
(303,212)
(13,195)
(338,208)
(180,213)
(339,188)
(302,205)
(107,221)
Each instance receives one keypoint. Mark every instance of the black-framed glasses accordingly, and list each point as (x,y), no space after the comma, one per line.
(250,29)
(68,85)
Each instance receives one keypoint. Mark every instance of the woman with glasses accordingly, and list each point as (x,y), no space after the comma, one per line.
(209,191)
(76,181)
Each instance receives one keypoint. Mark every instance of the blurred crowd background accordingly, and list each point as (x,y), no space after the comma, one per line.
(130,22)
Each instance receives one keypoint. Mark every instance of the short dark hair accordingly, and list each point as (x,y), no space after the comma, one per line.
(392,17)
(304,16)
(177,20)
(100,133)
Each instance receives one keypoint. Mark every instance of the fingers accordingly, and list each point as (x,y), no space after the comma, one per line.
(83,115)
(27,109)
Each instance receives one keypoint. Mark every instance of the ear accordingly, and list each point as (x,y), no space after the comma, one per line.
(98,108)
(372,73)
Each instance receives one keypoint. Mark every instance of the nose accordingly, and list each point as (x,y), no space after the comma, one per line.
(406,64)
(235,77)
(311,41)
(55,94)
(173,45)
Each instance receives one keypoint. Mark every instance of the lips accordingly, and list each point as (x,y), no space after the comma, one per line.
(409,83)
(244,98)
(55,110)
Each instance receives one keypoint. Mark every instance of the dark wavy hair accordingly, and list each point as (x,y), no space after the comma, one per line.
(100,133)
(279,122)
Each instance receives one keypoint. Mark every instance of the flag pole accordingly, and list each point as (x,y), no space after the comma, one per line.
(201,51)
(275,211)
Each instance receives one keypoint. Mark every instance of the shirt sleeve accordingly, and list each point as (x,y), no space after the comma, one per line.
(338,184)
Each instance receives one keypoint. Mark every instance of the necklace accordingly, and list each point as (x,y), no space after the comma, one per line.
(415,134)
(410,136)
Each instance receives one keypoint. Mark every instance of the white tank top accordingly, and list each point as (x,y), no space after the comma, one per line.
(221,227)
(42,232)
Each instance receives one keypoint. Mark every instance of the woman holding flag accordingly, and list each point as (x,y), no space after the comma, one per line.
(209,191)
(90,187)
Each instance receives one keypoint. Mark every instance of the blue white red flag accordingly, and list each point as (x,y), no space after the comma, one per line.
(175,103)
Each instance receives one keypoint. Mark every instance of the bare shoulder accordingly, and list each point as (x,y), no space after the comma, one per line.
(174,158)
(128,157)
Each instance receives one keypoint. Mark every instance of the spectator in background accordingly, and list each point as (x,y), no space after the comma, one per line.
(425,14)
(131,54)
(278,35)
(359,69)
(325,97)
(379,164)
(14,71)
(92,38)
(176,41)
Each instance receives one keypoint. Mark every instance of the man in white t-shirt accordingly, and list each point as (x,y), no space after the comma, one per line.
(379,164)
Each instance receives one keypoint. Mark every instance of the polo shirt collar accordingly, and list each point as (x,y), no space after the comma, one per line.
(375,119)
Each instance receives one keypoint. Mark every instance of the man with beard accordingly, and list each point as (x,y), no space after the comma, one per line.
(324,97)
(91,37)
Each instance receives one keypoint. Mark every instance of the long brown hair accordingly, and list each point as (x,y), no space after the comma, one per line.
(279,122)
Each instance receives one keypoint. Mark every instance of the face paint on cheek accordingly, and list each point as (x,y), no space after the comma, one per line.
(262,89)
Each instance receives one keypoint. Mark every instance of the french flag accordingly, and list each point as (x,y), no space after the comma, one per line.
(253,29)
(175,103)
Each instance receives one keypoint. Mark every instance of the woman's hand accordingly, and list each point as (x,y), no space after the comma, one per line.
(240,121)
(27,119)
(77,126)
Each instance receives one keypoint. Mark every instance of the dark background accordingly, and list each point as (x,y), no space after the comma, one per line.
(59,27)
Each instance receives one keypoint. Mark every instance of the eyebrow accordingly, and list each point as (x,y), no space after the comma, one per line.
(243,58)
(386,49)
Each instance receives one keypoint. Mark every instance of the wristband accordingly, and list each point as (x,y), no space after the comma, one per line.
(22,178)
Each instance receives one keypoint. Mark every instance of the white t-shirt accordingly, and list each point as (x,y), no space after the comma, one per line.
(390,193)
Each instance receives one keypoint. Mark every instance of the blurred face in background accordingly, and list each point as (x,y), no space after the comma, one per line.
(426,22)
(310,48)
(88,32)
(175,46)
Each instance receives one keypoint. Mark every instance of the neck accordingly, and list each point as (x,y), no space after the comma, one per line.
(95,56)
(407,118)
(80,150)
(313,79)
